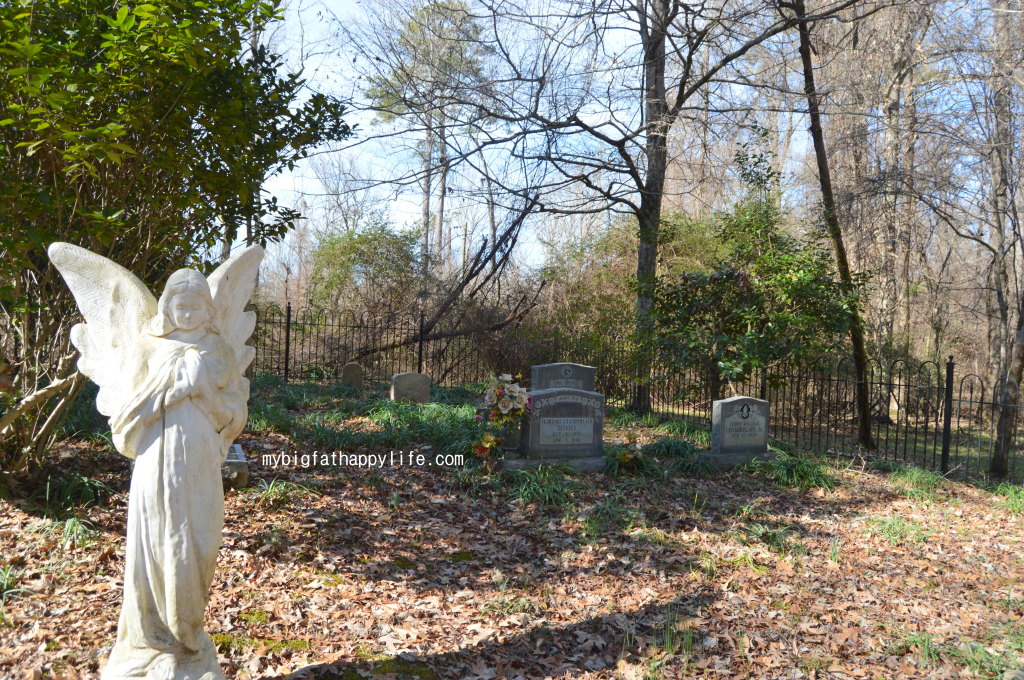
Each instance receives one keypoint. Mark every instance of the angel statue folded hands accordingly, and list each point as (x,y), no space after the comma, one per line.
(170,378)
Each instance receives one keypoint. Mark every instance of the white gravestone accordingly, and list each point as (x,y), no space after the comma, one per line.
(413,387)
(739,431)
(171,383)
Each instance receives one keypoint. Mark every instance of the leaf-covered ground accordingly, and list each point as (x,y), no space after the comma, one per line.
(424,572)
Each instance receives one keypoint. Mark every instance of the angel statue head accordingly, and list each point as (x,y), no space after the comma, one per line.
(186,304)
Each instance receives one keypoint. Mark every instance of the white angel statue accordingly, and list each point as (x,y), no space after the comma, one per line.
(170,378)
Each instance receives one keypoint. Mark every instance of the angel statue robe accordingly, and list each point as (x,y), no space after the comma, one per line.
(175,422)
(170,379)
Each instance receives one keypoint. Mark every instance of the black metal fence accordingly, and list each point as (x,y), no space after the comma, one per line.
(923,413)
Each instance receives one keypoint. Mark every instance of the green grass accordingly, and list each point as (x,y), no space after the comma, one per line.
(608,515)
(67,492)
(277,493)
(917,483)
(779,539)
(698,434)
(72,532)
(314,414)
(922,645)
(899,531)
(802,471)
(680,456)
(270,417)
(9,584)
(1012,497)
(549,486)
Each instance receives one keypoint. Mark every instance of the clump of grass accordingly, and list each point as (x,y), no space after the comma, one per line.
(752,509)
(704,563)
(801,471)
(884,465)
(779,539)
(917,483)
(699,434)
(628,458)
(745,558)
(508,605)
(547,486)
(655,536)
(270,417)
(681,456)
(9,585)
(474,480)
(72,532)
(71,491)
(1013,497)
(255,616)
(609,513)
(625,419)
(813,664)
(277,493)
(898,530)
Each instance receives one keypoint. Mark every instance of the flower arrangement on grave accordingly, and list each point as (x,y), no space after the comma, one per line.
(487,443)
(507,400)
(506,403)
(625,455)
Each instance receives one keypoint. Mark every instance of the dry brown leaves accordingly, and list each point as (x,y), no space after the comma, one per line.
(392,573)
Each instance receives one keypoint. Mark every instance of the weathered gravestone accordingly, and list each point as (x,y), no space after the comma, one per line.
(565,427)
(413,387)
(235,469)
(352,374)
(739,431)
(562,374)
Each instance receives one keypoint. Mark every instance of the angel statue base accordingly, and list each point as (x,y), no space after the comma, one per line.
(170,378)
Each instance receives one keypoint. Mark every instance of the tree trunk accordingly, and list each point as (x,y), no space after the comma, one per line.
(428,176)
(443,243)
(1009,353)
(835,232)
(649,214)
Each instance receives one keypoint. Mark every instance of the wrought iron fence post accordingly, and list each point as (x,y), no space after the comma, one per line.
(947,415)
(287,338)
(419,350)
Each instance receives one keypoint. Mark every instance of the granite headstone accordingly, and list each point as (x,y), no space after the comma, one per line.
(739,431)
(562,374)
(565,426)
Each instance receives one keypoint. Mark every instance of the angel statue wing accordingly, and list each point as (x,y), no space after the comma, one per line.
(115,305)
(231,286)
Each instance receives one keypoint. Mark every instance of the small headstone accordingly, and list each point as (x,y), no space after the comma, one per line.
(413,387)
(235,470)
(565,426)
(739,431)
(352,374)
(562,374)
